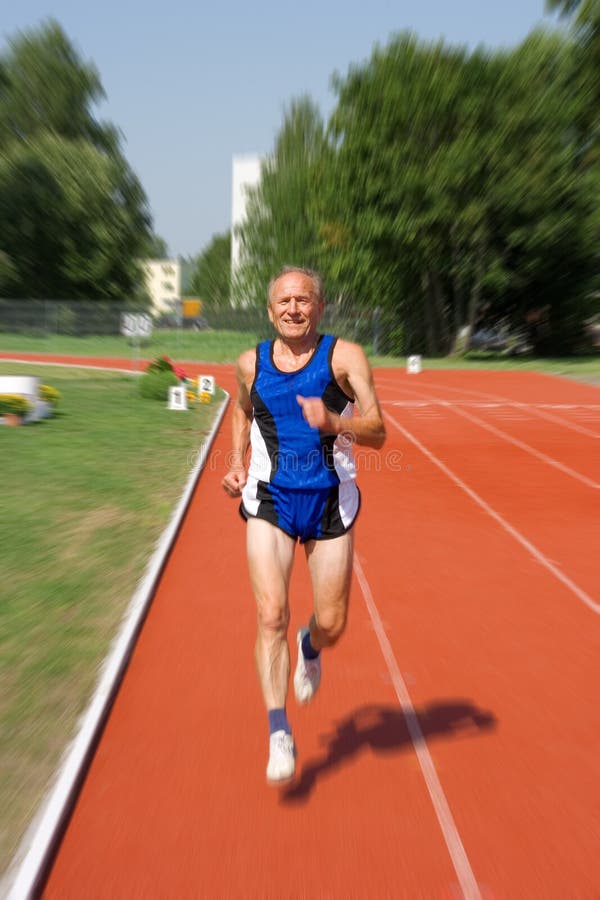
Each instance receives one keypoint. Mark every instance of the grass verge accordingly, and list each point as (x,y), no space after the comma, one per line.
(571,365)
(203,346)
(85,498)
(226,346)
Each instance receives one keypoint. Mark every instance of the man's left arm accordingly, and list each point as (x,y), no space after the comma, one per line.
(353,373)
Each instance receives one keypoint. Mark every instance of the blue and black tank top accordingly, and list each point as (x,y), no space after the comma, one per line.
(286,451)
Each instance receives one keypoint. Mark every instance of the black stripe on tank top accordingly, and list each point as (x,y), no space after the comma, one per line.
(336,400)
(333,396)
(327,454)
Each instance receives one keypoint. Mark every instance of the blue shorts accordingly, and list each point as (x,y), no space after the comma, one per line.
(304,515)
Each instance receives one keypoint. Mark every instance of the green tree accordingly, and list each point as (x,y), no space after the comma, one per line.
(585,20)
(73,216)
(449,188)
(72,221)
(455,182)
(47,87)
(211,274)
(156,247)
(586,11)
(282,226)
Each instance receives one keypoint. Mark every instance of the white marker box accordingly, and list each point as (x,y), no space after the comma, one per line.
(413,365)
(177,398)
(206,384)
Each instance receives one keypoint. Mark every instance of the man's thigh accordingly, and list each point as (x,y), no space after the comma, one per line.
(330,565)
(270,558)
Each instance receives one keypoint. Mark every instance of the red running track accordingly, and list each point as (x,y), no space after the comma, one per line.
(477,556)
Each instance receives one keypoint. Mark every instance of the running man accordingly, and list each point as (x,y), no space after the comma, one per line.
(295,408)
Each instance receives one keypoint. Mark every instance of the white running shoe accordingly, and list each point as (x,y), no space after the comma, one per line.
(307,676)
(282,757)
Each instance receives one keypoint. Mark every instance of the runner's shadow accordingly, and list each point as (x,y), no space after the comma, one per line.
(386,729)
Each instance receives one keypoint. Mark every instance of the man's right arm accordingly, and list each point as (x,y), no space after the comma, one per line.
(241,420)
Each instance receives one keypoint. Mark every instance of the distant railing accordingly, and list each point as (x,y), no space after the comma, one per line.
(45,317)
(378,331)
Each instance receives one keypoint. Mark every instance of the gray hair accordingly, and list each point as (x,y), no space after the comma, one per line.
(314,276)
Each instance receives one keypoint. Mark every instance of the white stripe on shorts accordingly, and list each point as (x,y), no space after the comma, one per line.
(349,499)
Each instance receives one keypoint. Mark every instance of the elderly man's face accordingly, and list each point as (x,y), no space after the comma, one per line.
(294,308)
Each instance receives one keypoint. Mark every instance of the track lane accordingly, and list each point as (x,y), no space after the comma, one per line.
(487,623)
(579,412)
(575,455)
(502,675)
(176,804)
(537,499)
(515,386)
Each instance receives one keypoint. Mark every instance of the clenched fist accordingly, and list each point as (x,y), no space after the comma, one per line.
(317,415)
(234,481)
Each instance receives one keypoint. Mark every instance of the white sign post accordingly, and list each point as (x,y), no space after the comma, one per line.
(413,365)
(177,397)
(136,326)
(206,388)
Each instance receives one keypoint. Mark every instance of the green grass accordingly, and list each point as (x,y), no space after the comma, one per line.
(85,497)
(226,346)
(572,365)
(203,346)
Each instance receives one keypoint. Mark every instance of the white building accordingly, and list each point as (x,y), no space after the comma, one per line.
(246,174)
(163,284)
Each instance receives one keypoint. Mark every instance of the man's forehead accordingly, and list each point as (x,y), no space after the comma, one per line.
(293,283)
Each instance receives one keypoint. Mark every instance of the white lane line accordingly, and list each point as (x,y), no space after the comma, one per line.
(531,548)
(70,365)
(579,409)
(457,852)
(543,457)
(533,408)
(581,429)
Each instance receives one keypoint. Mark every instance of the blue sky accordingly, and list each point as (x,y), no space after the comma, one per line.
(190,84)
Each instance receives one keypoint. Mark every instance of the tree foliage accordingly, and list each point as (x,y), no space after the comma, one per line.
(71,220)
(73,216)
(211,276)
(585,11)
(46,87)
(282,226)
(584,16)
(446,191)
(156,247)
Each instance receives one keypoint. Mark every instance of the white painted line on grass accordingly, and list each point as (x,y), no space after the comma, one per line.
(457,852)
(531,548)
(22,881)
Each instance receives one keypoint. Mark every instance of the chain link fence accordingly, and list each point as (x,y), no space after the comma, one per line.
(378,331)
(49,317)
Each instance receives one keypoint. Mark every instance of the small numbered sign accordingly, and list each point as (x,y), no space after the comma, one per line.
(177,398)
(206,384)
(206,388)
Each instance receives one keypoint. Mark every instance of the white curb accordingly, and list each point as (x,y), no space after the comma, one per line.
(70,365)
(22,881)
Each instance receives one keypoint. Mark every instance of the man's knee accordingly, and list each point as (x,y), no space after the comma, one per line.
(272,618)
(331,624)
